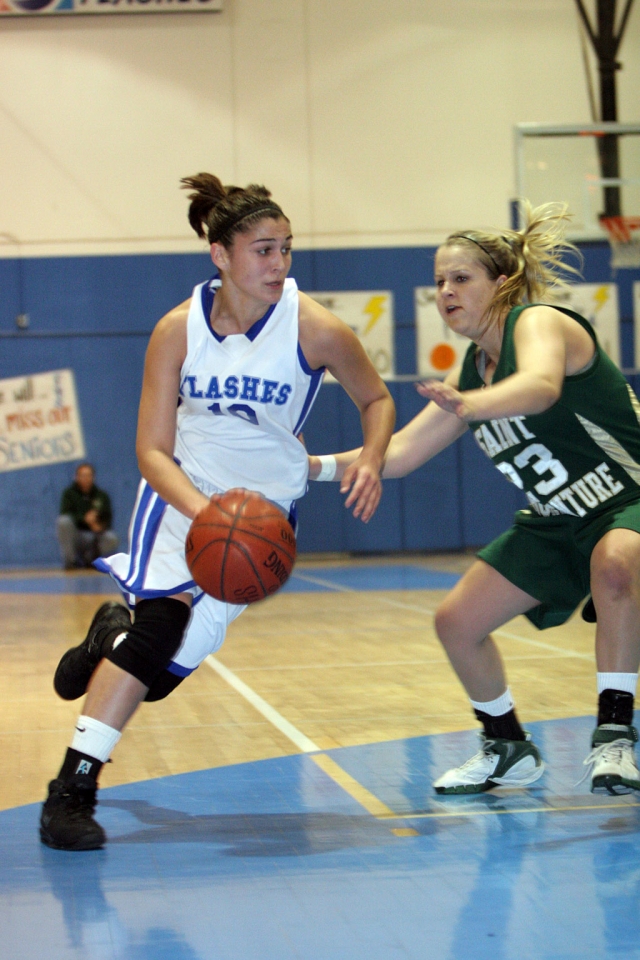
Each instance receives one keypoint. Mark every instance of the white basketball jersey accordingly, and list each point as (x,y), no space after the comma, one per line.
(244,399)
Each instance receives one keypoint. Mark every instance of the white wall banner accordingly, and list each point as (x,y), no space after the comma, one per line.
(636,322)
(37,8)
(39,421)
(369,313)
(598,303)
(438,348)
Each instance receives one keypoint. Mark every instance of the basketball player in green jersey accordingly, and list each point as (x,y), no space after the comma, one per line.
(558,419)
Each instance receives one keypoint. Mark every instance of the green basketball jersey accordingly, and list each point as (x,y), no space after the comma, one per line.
(580,456)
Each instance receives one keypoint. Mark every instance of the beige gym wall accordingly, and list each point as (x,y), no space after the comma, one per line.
(374,122)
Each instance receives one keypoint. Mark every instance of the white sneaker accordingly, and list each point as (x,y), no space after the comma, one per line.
(511,763)
(612,760)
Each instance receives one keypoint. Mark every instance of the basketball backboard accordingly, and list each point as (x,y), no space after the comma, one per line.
(564,162)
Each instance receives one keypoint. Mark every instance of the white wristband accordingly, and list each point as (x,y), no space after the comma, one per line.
(328,465)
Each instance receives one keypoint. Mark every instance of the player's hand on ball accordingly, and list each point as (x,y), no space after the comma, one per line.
(228,493)
(240,548)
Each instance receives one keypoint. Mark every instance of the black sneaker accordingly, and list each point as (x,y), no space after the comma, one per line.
(66,821)
(589,614)
(77,665)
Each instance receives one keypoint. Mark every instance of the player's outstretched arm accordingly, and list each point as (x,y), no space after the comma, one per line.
(546,343)
(157,414)
(327,341)
(430,432)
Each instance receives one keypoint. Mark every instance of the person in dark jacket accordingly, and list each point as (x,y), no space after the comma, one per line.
(84,525)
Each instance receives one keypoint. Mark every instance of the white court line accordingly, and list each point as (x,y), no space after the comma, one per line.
(323,583)
(270,713)
(429,611)
(327,764)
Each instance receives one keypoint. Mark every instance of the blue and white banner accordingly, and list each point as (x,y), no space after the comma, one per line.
(39,421)
(31,8)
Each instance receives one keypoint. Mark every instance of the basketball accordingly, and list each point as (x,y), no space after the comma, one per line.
(240,548)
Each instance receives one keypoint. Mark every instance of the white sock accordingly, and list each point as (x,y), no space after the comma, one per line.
(94,738)
(495,708)
(617,681)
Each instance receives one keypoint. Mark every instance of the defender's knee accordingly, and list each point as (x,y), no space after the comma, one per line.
(614,578)
(453,627)
(153,638)
(446,623)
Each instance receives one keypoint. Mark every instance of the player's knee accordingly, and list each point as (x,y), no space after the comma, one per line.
(450,625)
(614,580)
(153,638)
(162,686)
(615,567)
(443,622)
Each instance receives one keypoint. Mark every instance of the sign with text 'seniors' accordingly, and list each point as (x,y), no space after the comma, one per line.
(36,8)
(39,421)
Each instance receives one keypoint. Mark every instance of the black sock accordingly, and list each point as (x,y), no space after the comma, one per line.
(615,706)
(76,763)
(505,727)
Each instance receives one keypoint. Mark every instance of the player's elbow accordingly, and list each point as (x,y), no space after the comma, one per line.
(548,392)
(147,457)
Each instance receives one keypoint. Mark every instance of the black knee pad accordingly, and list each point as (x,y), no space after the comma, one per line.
(162,686)
(153,638)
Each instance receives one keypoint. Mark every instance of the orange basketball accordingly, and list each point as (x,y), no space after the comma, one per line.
(240,548)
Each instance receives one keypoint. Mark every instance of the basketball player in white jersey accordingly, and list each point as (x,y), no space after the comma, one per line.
(242,361)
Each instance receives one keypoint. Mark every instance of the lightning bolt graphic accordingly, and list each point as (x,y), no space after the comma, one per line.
(601,296)
(375,309)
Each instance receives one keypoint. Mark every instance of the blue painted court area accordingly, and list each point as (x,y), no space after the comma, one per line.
(275,860)
(399,576)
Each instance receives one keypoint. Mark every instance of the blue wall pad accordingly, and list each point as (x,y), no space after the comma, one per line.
(95,314)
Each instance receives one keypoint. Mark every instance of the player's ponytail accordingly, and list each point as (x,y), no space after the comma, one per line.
(541,251)
(533,259)
(217,212)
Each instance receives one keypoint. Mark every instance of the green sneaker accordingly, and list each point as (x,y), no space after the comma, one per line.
(612,760)
(508,763)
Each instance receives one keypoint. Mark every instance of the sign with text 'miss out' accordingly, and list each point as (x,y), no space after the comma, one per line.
(39,421)
(36,8)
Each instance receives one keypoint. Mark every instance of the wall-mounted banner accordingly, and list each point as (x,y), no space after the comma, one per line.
(36,8)
(369,313)
(636,322)
(39,421)
(438,348)
(598,303)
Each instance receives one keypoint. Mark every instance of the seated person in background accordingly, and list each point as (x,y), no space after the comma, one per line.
(84,525)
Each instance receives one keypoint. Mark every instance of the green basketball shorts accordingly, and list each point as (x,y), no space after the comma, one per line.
(549,557)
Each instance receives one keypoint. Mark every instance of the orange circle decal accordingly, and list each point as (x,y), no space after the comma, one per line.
(442,356)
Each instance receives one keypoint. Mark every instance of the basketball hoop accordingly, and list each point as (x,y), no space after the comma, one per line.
(624,239)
